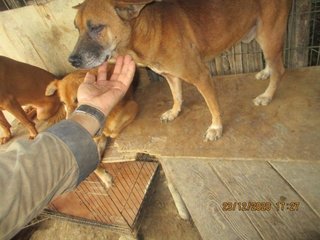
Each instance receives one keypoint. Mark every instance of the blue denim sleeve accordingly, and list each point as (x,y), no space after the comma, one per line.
(80,143)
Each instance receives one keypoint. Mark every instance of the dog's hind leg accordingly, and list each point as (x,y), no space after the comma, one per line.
(274,69)
(270,36)
(176,90)
(5,126)
(13,106)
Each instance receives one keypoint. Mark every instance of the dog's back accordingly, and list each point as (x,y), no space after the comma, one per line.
(25,82)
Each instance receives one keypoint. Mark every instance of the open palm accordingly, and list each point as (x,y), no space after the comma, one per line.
(103,93)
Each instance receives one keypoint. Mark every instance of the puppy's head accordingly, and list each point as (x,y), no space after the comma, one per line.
(67,89)
(104,27)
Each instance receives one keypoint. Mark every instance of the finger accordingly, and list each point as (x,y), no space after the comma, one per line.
(89,78)
(128,70)
(127,59)
(117,68)
(102,72)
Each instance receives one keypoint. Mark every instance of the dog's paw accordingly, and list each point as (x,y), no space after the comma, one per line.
(263,75)
(169,116)
(213,133)
(262,100)
(4,140)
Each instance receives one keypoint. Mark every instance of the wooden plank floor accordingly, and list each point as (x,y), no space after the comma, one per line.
(287,129)
(267,155)
(217,194)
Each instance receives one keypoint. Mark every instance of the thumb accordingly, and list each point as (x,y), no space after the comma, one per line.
(89,78)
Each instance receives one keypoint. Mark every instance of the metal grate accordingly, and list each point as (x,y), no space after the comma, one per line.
(117,207)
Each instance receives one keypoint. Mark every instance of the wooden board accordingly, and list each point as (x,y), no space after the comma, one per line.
(287,129)
(304,178)
(206,185)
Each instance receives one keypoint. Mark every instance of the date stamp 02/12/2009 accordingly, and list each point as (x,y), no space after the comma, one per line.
(260,206)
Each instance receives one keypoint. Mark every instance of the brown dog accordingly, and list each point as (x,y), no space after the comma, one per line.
(177,38)
(119,118)
(24,84)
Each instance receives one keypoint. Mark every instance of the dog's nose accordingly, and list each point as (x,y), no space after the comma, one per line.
(75,60)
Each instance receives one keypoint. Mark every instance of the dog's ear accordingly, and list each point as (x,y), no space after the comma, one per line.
(129,9)
(52,88)
(129,12)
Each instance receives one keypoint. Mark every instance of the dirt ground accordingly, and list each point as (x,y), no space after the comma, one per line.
(159,220)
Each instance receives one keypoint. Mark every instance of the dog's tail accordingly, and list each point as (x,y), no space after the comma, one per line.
(60,115)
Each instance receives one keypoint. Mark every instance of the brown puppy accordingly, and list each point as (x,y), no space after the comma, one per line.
(119,118)
(24,84)
(177,38)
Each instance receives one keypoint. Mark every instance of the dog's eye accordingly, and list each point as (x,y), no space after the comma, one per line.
(95,28)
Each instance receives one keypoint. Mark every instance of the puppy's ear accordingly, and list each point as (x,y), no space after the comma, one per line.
(77,6)
(129,9)
(52,88)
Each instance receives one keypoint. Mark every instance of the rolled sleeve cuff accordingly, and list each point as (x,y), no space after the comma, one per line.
(81,145)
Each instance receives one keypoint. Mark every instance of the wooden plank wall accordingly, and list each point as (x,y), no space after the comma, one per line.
(41,35)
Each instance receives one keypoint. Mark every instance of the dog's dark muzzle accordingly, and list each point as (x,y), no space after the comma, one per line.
(75,60)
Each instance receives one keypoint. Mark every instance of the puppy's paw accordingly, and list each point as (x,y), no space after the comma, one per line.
(31,112)
(4,140)
(104,176)
(169,116)
(263,75)
(31,137)
(107,180)
(213,133)
(262,100)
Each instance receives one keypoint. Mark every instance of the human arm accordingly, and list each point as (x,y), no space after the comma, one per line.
(33,173)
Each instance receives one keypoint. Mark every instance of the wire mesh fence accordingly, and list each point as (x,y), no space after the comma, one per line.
(302,46)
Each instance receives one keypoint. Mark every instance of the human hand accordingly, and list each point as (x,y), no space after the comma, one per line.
(103,94)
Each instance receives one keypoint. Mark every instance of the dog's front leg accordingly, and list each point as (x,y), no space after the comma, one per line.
(176,90)
(206,87)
